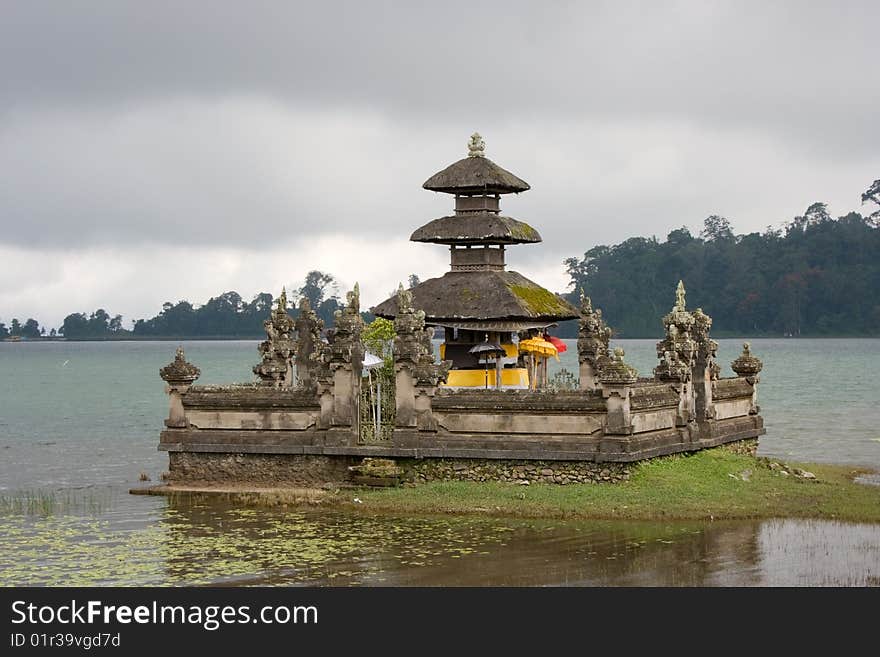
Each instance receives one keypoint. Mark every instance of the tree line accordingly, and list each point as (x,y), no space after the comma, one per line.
(815,276)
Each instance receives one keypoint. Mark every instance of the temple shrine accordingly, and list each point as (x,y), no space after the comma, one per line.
(311,415)
(479,301)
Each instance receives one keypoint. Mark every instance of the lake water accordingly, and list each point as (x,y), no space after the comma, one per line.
(80,421)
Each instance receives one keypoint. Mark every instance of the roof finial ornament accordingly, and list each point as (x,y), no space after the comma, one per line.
(282,300)
(476,146)
(679,295)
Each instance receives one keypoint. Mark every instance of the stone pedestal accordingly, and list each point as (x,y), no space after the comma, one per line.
(616,382)
(748,367)
(178,375)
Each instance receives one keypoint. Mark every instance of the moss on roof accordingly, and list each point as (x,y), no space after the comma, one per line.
(483,295)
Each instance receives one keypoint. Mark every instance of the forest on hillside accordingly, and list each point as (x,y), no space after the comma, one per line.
(816,276)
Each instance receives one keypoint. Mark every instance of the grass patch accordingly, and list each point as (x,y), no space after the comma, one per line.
(706,484)
(44,503)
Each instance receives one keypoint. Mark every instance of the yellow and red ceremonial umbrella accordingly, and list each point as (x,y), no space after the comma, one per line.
(539,347)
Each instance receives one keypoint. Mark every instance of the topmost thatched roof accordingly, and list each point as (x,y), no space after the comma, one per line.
(475,175)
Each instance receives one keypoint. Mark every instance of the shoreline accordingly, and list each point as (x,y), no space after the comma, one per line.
(257,338)
(715,484)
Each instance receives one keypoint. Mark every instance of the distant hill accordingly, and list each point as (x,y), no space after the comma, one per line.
(818,276)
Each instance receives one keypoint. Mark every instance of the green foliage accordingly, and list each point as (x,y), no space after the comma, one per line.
(820,277)
(378,336)
(872,194)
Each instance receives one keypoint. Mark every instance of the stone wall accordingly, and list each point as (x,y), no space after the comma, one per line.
(748,447)
(551,472)
(258,469)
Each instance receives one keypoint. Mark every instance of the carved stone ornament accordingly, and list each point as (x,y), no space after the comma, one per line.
(179,371)
(707,348)
(412,343)
(276,368)
(476,146)
(677,351)
(747,365)
(594,336)
(617,372)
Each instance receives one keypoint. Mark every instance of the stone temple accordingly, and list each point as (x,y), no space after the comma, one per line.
(485,407)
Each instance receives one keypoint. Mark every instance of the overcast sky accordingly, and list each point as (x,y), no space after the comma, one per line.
(154,151)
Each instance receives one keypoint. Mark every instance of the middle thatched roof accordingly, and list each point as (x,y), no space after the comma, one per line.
(476,228)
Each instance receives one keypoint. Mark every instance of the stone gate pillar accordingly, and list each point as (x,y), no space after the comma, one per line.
(416,374)
(705,369)
(593,339)
(308,344)
(346,357)
(676,353)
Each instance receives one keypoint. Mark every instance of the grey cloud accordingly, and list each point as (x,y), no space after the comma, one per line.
(801,69)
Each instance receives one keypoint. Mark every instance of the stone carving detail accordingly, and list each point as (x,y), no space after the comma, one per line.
(617,372)
(309,346)
(412,343)
(677,351)
(593,336)
(346,345)
(276,367)
(179,372)
(707,348)
(476,146)
(747,365)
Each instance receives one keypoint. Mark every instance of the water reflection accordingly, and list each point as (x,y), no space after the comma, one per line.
(177,543)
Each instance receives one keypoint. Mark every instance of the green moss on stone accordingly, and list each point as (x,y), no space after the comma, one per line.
(539,301)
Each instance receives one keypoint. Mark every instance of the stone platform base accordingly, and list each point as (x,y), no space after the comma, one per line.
(311,471)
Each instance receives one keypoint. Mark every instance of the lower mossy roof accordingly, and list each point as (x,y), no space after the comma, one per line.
(483,295)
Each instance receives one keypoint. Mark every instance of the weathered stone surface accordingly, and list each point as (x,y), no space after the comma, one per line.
(262,469)
(513,471)
(654,395)
(503,423)
(248,397)
(518,400)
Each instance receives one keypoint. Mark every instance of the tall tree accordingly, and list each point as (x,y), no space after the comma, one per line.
(716,227)
(318,287)
(872,194)
(31,329)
